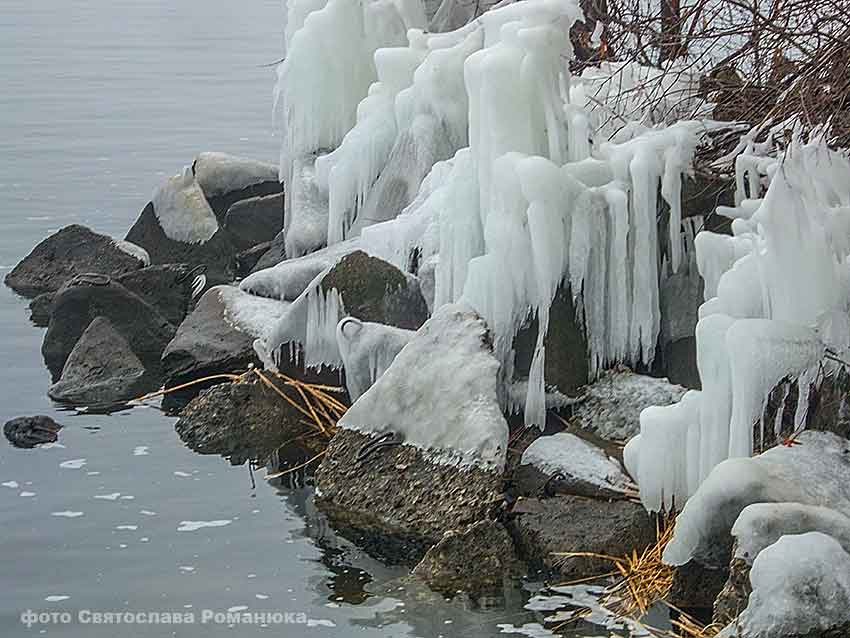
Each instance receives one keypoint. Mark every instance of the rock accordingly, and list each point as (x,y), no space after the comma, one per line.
(241,421)
(733,598)
(367,349)
(476,559)
(275,254)
(566,464)
(255,221)
(681,295)
(226,180)
(567,523)
(101,370)
(566,368)
(374,290)
(696,586)
(612,405)
(166,287)
(88,296)
(217,253)
(74,250)
(29,431)
(40,309)
(396,502)
(248,259)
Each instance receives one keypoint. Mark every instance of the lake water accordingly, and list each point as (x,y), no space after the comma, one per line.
(100,100)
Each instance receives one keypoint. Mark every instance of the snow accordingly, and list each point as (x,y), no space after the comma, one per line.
(220,173)
(182,209)
(367,349)
(576,458)
(801,584)
(440,394)
(762,524)
(133,250)
(777,296)
(815,472)
(252,315)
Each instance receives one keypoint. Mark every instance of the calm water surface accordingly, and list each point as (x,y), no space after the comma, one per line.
(99,101)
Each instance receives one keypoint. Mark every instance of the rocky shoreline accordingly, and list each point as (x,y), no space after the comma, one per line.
(175,301)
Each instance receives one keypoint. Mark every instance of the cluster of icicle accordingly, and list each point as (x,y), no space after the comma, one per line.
(470,159)
(777,297)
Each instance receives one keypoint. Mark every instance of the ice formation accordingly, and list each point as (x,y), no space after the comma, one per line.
(134,250)
(219,173)
(814,473)
(367,349)
(777,298)
(182,209)
(440,394)
(801,585)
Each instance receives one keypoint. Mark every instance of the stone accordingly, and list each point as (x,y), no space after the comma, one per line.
(166,287)
(73,250)
(542,528)
(612,404)
(681,295)
(226,180)
(242,421)
(566,365)
(696,586)
(255,221)
(271,256)
(395,502)
(477,559)
(102,370)
(40,309)
(88,296)
(732,599)
(28,431)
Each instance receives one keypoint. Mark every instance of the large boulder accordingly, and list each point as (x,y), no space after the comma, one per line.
(477,559)
(102,370)
(241,421)
(611,406)
(86,297)
(544,527)
(255,221)
(74,250)
(28,431)
(226,179)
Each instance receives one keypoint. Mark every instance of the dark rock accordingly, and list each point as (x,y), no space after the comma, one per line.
(241,421)
(702,193)
(248,259)
(275,254)
(255,221)
(566,523)
(218,253)
(29,431)
(396,503)
(566,368)
(166,287)
(41,308)
(225,180)
(477,559)
(207,343)
(74,250)
(374,290)
(101,370)
(681,296)
(734,596)
(696,586)
(88,296)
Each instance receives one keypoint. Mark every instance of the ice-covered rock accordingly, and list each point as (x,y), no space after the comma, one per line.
(367,350)
(612,404)
(86,297)
(101,370)
(440,394)
(582,468)
(815,472)
(74,250)
(225,180)
(801,588)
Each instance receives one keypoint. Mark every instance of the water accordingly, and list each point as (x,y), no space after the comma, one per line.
(100,100)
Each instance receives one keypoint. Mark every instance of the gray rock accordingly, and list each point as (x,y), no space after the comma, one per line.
(396,502)
(476,559)
(166,287)
(88,296)
(242,421)
(28,431)
(696,586)
(272,256)
(613,403)
(74,250)
(101,370)
(225,180)
(681,295)
(41,308)
(732,599)
(565,523)
(255,221)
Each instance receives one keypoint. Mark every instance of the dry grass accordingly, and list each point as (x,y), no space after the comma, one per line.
(641,581)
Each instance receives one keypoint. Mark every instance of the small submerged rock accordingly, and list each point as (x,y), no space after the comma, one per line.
(74,250)
(29,431)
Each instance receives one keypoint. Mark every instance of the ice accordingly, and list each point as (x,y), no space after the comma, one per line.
(182,209)
(133,250)
(73,464)
(11,484)
(250,314)
(193,526)
(219,173)
(67,514)
(801,585)
(440,394)
(367,349)
(762,524)
(574,457)
(815,472)
(57,598)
